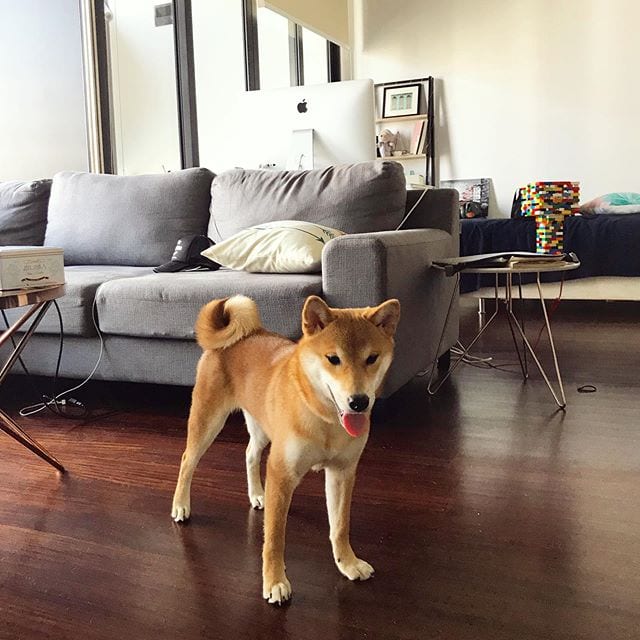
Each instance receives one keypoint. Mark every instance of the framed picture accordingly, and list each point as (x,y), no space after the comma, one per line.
(401,100)
(474,196)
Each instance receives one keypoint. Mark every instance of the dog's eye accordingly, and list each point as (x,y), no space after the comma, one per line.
(372,358)
(333,359)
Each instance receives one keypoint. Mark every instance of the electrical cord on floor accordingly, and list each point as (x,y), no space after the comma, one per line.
(481,363)
(58,403)
(487,362)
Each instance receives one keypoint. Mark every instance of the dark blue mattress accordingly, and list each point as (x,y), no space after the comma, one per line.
(606,244)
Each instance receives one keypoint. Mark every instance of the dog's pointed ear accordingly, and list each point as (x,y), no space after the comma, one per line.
(316,315)
(385,316)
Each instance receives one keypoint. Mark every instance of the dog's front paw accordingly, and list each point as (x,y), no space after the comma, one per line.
(277,592)
(180,512)
(257,501)
(355,569)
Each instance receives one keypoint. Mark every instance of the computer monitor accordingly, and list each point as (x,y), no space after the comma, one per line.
(312,126)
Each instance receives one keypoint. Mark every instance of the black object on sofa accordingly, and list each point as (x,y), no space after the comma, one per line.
(115,229)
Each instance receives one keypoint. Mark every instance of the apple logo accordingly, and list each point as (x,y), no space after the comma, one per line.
(302,106)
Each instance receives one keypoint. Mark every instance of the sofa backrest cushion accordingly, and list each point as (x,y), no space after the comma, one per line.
(126,220)
(23,212)
(368,196)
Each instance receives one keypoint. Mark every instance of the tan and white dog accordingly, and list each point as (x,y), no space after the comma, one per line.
(311,400)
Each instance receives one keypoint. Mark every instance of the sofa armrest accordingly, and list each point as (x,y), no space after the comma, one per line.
(365,269)
(438,209)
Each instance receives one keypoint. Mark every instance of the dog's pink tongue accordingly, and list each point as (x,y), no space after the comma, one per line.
(355,423)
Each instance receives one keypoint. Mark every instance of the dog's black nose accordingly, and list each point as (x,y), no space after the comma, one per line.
(358,403)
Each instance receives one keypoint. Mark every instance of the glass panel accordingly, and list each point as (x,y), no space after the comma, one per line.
(218,53)
(314,51)
(42,113)
(273,49)
(142,76)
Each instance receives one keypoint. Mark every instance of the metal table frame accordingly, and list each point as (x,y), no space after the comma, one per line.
(516,325)
(40,301)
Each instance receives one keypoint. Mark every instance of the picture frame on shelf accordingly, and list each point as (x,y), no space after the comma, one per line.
(401,100)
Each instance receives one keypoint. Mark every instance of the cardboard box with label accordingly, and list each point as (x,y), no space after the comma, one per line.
(30,267)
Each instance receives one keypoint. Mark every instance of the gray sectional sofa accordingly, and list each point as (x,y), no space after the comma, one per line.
(115,229)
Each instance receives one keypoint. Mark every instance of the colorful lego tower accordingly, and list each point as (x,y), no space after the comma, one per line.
(549,203)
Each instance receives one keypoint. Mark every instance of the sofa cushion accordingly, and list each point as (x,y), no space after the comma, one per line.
(23,212)
(369,196)
(285,246)
(76,304)
(126,220)
(165,305)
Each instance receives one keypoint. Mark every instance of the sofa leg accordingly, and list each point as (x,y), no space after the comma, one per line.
(444,361)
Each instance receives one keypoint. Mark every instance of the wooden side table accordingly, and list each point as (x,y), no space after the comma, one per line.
(39,300)
(504,300)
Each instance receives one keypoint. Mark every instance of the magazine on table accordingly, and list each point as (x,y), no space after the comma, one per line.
(504,259)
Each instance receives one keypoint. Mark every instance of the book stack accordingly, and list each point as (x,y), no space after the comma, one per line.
(522,261)
(549,203)
(418,138)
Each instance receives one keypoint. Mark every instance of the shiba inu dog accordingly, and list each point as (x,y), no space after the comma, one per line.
(311,400)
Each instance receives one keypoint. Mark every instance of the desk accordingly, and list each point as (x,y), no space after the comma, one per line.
(505,301)
(39,300)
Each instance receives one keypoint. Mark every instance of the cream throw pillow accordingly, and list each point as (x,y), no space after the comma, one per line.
(284,246)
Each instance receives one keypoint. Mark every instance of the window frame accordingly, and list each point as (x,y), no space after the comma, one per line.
(96,71)
(296,58)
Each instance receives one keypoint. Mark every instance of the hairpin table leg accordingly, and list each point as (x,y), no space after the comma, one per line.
(11,428)
(560,401)
(7,423)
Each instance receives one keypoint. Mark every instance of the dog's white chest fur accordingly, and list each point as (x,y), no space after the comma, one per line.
(304,454)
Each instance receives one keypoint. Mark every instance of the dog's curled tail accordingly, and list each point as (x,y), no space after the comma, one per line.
(222,323)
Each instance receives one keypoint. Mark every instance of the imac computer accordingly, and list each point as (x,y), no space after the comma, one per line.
(307,127)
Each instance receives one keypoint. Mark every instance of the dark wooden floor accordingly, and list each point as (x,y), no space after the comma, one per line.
(486,513)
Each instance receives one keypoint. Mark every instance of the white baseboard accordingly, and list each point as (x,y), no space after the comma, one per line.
(598,288)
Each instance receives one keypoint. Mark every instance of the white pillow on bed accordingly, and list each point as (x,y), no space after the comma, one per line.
(616,202)
(284,246)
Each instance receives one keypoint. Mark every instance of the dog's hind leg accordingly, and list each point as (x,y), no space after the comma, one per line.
(205,423)
(258,440)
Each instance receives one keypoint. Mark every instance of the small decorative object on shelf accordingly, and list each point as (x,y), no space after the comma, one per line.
(409,105)
(416,181)
(387,142)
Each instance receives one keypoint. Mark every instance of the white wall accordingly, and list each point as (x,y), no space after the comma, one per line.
(42,118)
(145,105)
(530,89)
